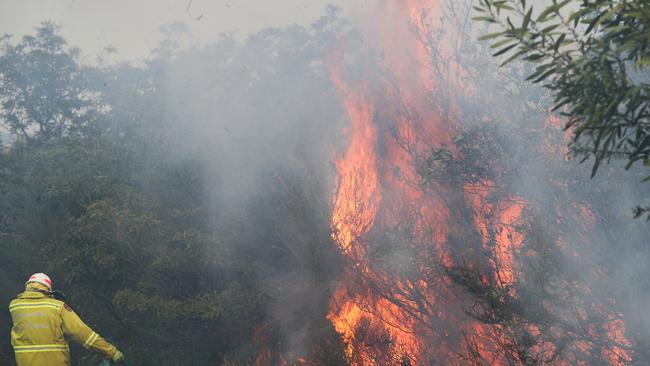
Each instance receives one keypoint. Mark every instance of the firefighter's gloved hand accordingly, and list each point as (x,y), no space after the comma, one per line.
(118,357)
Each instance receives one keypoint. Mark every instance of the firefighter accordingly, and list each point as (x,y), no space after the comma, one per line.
(42,325)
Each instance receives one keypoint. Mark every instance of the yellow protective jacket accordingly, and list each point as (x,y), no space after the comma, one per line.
(42,328)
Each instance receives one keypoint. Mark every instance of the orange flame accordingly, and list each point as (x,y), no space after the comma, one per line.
(358,196)
(388,317)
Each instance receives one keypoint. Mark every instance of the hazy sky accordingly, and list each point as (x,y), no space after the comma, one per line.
(133,27)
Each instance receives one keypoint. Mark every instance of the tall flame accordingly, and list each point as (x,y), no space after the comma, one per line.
(358,196)
(388,310)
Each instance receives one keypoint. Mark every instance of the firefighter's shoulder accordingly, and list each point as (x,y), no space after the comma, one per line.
(35,303)
(59,303)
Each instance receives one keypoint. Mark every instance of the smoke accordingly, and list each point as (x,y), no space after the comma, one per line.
(259,122)
(438,77)
(263,120)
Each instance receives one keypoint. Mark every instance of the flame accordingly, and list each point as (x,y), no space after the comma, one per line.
(376,176)
(358,196)
(385,313)
(500,229)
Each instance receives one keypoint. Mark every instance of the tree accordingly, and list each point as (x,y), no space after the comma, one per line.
(593,56)
(42,89)
(177,229)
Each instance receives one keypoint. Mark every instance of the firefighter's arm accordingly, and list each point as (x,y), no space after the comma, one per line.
(76,329)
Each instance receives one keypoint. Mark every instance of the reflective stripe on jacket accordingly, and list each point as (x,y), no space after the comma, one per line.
(41,326)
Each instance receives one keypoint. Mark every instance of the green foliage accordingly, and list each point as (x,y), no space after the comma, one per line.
(593,56)
(479,150)
(128,204)
(42,88)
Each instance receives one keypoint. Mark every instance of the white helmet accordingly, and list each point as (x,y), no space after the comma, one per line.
(41,278)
